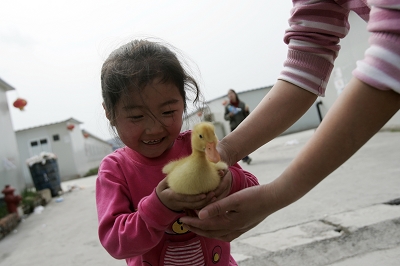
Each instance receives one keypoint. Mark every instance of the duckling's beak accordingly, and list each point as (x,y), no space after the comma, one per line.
(212,153)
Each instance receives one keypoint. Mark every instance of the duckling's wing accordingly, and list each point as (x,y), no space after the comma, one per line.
(170,166)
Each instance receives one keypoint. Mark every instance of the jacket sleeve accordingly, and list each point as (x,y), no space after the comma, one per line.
(241,179)
(227,117)
(125,230)
(315,29)
(246,110)
(381,64)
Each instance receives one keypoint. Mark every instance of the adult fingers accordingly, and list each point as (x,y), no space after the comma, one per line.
(220,207)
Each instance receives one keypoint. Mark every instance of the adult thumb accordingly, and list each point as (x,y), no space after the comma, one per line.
(217,208)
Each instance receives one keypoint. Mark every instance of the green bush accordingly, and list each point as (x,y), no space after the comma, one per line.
(91,172)
(28,197)
(3,209)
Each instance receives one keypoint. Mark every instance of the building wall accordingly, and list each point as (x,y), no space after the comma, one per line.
(58,142)
(63,149)
(10,171)
(76,155)
(95,151)
(252,98)
(78,151)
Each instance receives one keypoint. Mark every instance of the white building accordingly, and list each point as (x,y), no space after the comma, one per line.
(252,98)
(77,151)
(353,47)
(10,172)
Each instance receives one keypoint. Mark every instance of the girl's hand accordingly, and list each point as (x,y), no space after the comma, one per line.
(224,187)
(180,202)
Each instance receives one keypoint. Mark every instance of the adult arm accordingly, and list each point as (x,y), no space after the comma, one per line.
(355,117)
(312,49)
(350,122)
(284,104)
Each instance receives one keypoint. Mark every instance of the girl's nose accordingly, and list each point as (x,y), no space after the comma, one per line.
(154,126)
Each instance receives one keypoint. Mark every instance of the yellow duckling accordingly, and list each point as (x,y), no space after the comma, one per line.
(198,172)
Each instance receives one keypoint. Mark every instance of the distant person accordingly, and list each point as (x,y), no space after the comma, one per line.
(145,89)
(235,112)
(366,104)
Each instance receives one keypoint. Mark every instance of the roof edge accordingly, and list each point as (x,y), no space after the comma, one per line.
(5,86)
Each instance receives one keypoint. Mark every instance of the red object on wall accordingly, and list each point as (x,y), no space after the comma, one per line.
(20,103)
(86,135)
(12,201)
(70,126)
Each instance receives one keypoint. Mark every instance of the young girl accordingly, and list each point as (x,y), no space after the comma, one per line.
(145,89)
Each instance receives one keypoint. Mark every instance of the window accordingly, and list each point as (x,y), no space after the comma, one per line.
(56,137)
(38,146)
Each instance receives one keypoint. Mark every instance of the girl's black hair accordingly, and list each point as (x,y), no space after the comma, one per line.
(134,65)
(234,92)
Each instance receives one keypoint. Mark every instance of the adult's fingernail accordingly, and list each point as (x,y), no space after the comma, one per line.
(203,214)
(186,227)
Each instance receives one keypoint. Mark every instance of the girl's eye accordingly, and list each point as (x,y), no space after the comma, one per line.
(136,117)
(169,112)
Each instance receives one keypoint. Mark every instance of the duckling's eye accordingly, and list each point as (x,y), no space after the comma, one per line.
(201,136)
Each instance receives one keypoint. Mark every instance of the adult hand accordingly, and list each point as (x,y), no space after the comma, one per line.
(234,215)
(226,152)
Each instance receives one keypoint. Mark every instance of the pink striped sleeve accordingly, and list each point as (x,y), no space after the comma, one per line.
(316,28)
(380,67)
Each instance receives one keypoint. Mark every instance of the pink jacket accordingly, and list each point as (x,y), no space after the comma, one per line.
(316,28)
(135,225)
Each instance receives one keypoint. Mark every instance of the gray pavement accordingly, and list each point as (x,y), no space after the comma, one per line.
(343,221)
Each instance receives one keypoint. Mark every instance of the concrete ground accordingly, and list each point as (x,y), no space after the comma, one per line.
(343,221)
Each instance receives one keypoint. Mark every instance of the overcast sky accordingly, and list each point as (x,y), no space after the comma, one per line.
(51,52)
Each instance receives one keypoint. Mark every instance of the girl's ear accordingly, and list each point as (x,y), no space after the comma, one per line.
(107,113)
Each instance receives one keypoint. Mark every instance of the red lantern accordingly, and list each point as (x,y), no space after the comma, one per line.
(70,126)
(20,103)
(86,135)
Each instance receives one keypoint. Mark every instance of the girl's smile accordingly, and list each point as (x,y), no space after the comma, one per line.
(152,142)
(150,119)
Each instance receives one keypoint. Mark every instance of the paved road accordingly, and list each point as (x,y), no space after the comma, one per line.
(341,222)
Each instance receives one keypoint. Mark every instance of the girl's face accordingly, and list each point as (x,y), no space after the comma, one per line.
(232,96)
(150,121)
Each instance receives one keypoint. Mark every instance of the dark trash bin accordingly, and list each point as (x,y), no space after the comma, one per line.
(45,173)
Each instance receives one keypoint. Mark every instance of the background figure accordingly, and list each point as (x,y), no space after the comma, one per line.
(235,112)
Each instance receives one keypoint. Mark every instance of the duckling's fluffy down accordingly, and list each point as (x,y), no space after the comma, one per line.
(188,177)
(198,172)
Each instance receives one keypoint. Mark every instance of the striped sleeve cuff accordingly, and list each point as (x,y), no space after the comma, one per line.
(307,70)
